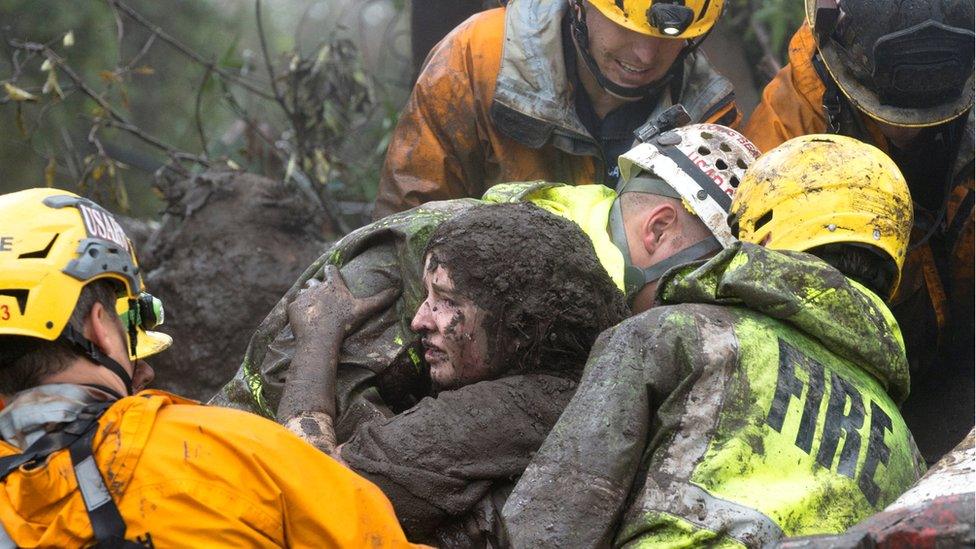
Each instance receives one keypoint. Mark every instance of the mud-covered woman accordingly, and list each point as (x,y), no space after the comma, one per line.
(515,298)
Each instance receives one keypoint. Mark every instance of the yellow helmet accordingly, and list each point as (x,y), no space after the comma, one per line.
(663,18)
(53,243)
(817,190)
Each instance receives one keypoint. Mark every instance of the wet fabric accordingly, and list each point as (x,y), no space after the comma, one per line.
(494,104)
(32,414)
(380,367)
(184,475)
(381,371)
(757,400)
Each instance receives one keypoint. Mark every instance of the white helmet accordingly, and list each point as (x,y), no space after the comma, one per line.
(699,164)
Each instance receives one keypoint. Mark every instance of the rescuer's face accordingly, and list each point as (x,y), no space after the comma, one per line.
(453,328)
(628,58)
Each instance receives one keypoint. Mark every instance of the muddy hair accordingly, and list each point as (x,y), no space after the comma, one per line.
(537,276)
(26,361)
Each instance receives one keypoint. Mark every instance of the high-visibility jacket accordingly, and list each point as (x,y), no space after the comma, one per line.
(758,400)
(934,303)
(494,104)
(185,475)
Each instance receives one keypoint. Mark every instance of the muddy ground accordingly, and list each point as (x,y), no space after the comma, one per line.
(230,244)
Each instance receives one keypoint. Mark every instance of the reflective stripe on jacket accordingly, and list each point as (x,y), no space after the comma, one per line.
(757,401)
(934,302)
(185,475)
(494,104)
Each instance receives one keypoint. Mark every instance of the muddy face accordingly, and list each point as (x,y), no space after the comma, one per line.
(534,294)
(454,334)
(628,58)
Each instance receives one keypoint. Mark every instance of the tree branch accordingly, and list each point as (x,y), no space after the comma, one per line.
(196,113)
(768,64)
(142,53)
(180,47)
(267,60)
(113,117)
(119,32)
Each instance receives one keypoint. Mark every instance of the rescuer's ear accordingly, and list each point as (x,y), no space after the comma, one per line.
(659,221)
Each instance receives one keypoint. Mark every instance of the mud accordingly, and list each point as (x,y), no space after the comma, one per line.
(229,246)
(547,299)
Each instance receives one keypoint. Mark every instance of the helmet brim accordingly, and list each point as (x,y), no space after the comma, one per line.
(867,101)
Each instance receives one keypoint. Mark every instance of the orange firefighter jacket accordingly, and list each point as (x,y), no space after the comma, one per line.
(494,104)
(185,475)
(791,106)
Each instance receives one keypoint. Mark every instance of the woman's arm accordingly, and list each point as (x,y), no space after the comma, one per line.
(321,316)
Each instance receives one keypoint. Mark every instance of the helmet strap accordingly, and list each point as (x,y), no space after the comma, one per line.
(93,353)
(134,317)
(582,42)
(691,253)
(955,141)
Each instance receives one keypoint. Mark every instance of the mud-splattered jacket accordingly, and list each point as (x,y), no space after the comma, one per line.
(757,400)
(494,103)
(934,304)
(185,475)
(380,367)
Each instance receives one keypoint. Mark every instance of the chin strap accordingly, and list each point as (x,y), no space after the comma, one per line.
(691,253)
(93,353)
(582,42)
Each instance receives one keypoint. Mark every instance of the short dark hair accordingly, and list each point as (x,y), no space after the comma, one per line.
(537,276)
(864,264)
(25,361)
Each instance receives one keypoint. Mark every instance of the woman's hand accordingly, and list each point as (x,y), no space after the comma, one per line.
(329,307)
(320,317)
